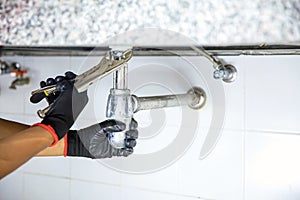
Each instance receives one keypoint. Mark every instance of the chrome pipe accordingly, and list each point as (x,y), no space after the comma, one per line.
(236,50)
(120,80)
(119,103)
(216,63)
(222,71)
(195,98)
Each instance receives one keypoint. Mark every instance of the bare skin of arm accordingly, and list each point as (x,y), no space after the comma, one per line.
(18,148)
(9,128)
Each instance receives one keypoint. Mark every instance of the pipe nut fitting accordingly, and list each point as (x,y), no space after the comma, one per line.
(199,99)
(228,73)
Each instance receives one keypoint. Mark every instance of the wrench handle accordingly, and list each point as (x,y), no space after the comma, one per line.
(40,94)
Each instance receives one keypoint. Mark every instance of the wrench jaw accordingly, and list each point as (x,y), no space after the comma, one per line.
(112,61)
(117,55)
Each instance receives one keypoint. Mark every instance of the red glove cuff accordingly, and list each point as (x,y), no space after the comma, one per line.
(50,130)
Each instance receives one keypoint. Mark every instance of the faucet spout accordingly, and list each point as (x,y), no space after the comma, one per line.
(19,82)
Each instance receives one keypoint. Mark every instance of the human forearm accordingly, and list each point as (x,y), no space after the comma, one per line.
(19,148)
(9,128)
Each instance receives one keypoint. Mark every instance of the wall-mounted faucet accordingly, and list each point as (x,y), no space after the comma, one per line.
(121,103)
(19,73)
(16,70)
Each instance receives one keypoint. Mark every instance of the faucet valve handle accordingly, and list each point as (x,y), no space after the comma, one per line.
(4,67)
(18,72)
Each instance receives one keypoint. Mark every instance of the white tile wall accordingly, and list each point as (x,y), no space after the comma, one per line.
(53,166)
(45,187)
(78,191)
(92,170)
(165,180)
(255,157)
(272,166)
(234,92)
(220,175)
(133,193)
(11,187)
(272,97)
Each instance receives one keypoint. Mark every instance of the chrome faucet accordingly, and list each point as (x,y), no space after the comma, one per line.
(19,81)
(19,73)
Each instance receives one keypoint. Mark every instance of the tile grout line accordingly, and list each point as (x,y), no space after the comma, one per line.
(244,135)
(23,184)
(70,181)
(117,185)
(273,132)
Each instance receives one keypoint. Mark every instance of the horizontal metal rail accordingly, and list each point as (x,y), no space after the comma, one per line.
(262,49)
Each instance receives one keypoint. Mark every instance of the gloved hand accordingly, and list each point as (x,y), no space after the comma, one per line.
(65,105)
(92,142)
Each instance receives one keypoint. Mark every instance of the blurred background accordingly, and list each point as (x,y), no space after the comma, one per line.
(85,22)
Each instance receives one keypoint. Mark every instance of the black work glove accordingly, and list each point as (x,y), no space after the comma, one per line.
(65,104)
(92,142)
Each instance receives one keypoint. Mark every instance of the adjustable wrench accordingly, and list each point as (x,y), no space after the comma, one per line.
(112,61)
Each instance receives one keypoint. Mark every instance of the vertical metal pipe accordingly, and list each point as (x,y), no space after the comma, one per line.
(120,78)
